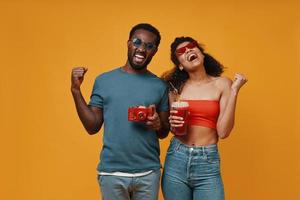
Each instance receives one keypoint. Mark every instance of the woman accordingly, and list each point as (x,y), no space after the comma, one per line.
(192,165)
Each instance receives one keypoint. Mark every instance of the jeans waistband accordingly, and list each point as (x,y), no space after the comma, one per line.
(179,146)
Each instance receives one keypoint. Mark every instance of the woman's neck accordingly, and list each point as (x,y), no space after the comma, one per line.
(198,76)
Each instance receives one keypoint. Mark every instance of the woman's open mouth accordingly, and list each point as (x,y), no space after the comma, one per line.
(192,57)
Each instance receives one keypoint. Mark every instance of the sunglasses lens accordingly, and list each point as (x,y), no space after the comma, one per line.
(137,42)
(191,45)
(149,46)
(180,50)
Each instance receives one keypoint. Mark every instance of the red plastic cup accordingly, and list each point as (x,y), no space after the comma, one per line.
(182,111)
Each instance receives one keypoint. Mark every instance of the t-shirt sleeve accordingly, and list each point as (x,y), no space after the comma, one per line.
(97,94)
(164,103)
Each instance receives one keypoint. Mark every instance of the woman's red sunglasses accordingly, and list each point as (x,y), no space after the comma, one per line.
(182,50)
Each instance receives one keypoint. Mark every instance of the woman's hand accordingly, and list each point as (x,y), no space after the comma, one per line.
(239,81)
(175,121)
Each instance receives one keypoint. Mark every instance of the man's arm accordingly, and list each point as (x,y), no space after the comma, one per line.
(91,117)
(165,126)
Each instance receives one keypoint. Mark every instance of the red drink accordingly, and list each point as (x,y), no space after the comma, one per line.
(182,111)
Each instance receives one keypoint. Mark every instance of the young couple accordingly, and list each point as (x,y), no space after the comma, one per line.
(129,165)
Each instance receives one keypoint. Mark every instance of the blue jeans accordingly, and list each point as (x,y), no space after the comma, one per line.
(126,188)
(192,173)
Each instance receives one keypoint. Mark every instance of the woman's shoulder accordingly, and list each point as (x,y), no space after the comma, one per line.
(223,82)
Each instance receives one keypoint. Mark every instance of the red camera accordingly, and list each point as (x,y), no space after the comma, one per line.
(140,113)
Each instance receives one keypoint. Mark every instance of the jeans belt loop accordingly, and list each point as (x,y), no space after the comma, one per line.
(177,146)
(203,152)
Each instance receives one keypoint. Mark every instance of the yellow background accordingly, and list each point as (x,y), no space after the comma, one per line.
(45,152)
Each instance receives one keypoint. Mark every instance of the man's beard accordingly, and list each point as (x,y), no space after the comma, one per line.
(138,67)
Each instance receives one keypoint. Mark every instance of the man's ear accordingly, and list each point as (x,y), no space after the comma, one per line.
(154,52)
(128,43)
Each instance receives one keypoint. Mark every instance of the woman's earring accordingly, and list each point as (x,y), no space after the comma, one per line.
(180,67)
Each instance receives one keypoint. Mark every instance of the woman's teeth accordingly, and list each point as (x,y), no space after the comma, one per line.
(191,57)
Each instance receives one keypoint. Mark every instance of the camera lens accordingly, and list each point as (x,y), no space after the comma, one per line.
(141,115)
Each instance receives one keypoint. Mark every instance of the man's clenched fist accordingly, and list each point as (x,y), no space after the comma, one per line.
(77,77)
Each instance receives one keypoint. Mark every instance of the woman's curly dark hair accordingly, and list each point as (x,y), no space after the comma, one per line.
(176,77)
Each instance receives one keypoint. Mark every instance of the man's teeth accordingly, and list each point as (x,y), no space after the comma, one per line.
(139,56)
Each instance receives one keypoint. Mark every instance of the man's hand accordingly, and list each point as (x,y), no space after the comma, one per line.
(153,122)
(77,77)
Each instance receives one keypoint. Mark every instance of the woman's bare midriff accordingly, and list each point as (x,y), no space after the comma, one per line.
(199,136)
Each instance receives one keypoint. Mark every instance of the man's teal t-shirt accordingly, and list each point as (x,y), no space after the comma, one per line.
(128,146)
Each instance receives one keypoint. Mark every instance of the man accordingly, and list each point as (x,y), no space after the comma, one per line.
(129,165)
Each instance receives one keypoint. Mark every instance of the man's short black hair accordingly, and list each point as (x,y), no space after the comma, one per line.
(147,27)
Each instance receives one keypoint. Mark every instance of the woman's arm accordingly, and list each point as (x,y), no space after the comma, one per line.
(229,92)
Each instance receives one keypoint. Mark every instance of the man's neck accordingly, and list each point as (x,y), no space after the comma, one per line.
(127,68)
